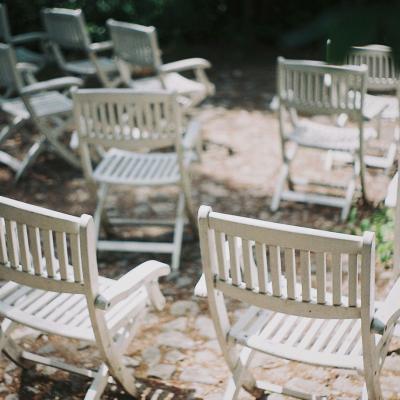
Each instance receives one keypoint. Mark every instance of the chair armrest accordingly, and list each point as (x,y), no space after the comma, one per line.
(52,84)
(101,46)
(388,312)
(200,290)
(145,274)
(27,67)
(193,133)
(185,65)
(28,37)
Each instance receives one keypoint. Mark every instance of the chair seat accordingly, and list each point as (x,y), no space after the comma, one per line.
(65,314)
(373,103)
(173,82)
(325,342)
(49,103)
(86,67)
(126,167)
(321,136)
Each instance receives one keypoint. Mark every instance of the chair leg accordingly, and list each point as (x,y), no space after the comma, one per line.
(188,203)
(99,384)
(101,201)
(31,157)
(10,161)
(178,232)
(282,180)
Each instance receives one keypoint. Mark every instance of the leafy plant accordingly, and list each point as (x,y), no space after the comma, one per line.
(381,222)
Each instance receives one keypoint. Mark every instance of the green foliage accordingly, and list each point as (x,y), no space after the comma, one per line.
(381,222)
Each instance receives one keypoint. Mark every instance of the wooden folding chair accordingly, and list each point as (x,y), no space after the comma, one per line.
(290,313)
(42,103)
(66,30)
(134,126)
(49,262)
(136,50)
(315,88)
(23,53)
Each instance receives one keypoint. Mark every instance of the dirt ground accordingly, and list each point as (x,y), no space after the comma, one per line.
(237,175)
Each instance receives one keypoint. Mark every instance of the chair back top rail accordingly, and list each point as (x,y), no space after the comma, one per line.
(43,248)
(289,269)
(318,88)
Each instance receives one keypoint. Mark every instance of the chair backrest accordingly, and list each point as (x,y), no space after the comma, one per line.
(45,249)
(127,119)
(321,89)
(382,72)
(270,265)
(5,32)
(135,45)
(66,28)
(10,79)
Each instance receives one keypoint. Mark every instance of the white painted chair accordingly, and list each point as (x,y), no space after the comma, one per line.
(20,41)
(329,320)
(134,126)
(42,103)
(315,88)
(392,200)
(382,82)
(66,30)
(49,262)
(136,50)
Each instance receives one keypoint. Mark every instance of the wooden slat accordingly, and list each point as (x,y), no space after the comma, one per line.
(24,247)
(220,243)
(3,246)
(34,239)
(234,260)
(337,279)
(48,247)
(262,267)
(276,269)
(290,271)
(76,257)
(353,280)
(305,268)
(62,254)
(12,243)
(249,272)
(321,277)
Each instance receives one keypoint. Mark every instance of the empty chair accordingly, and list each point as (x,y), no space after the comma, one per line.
(68,36)
(42,103)
(133,127)
(136,51)
(288,311)
(20,41)
(315,88)
(49,262)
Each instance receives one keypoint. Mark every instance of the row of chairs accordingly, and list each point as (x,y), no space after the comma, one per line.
(311,88)
(309,296)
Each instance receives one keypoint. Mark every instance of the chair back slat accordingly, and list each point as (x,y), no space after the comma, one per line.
(66,28)
(286,268)
(127,119)
(262,267)
(382,71)
(337,278)
(353,278)
(319,88)
(40,248)
(321,277)
(135,45)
